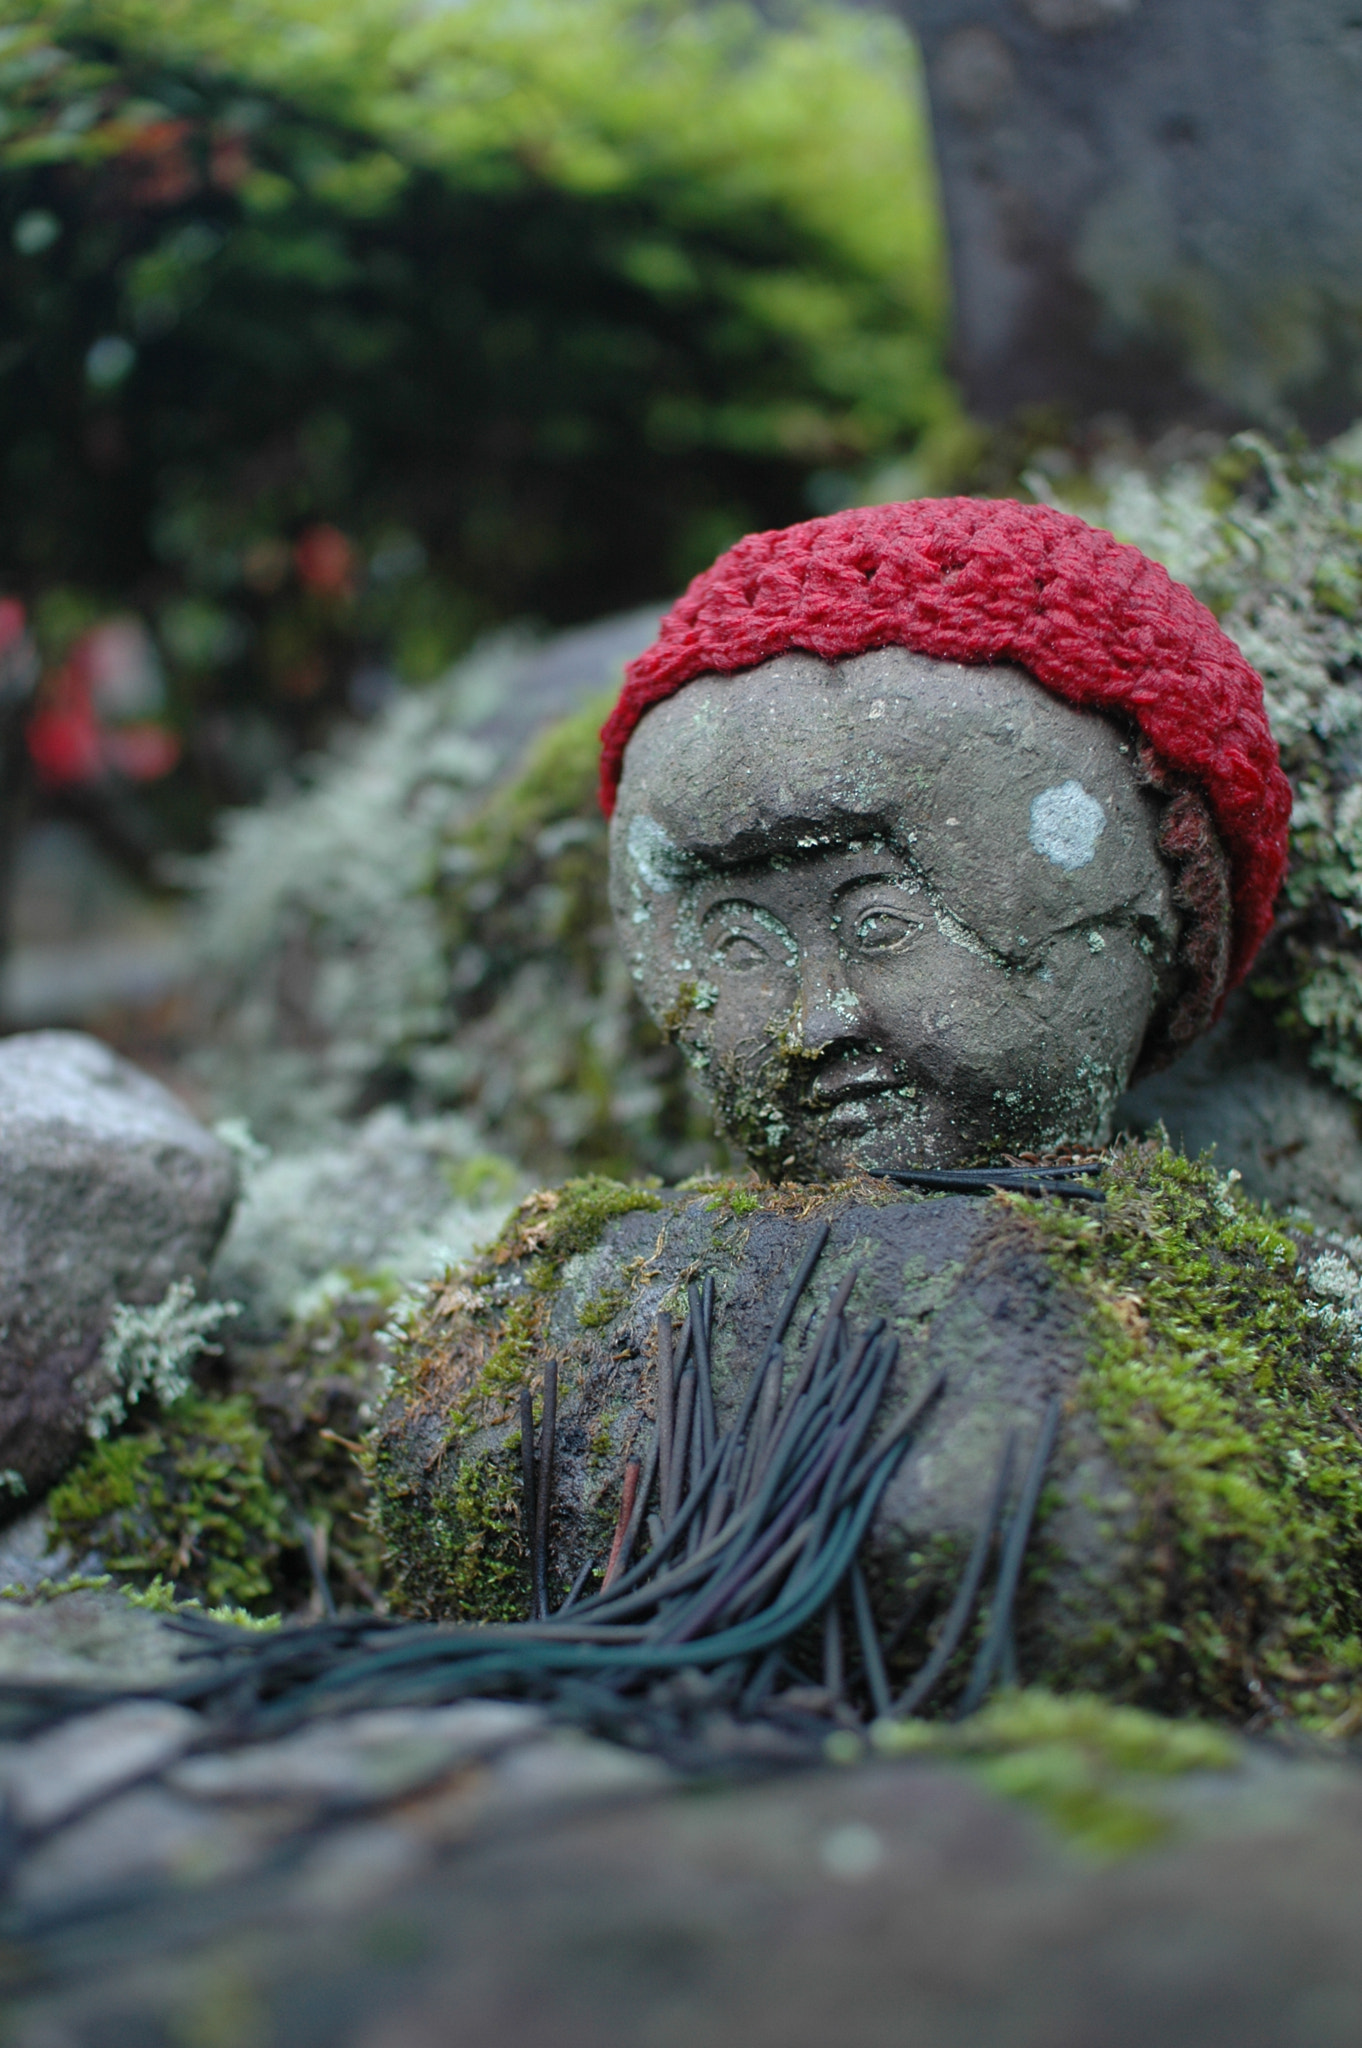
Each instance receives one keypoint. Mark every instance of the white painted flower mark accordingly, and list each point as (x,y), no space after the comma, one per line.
(1066,824)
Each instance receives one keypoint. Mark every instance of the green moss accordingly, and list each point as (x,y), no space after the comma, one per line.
(601,1450)
(1229,1401)
(315,1393)
(459,1549)
(53,1589)
(159,1598)
(736,1197)
(189,1500)
(489,1575)
(1090,1767)
(573,1217)
(513,1362)
(595,1314)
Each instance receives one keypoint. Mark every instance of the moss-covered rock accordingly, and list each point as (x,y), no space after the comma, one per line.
(446,1459)
(188,1501)
(1271,539)
(251,1489)
(1199,1538)
(1223,1378)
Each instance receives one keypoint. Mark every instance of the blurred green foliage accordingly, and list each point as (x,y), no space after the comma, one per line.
(339,329)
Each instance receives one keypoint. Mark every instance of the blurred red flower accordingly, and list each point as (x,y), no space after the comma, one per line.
(93,712)
(326,561)
(160,170)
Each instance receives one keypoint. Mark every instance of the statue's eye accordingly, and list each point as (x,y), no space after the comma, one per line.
(884,931)
(740,954)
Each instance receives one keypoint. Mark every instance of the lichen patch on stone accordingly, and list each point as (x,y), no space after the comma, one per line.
(1066,824)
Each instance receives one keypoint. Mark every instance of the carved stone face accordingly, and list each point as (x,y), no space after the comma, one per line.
(897,911)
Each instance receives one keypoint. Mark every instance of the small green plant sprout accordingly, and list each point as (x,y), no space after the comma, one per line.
(53,1589)
(149,1351)
(13,1482)
(241,1141)
(159,1598)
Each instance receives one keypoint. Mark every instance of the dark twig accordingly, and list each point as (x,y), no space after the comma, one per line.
(1068,1182)
(650,1466)
(833,1674)
(876,1679)
(527,1471)
(1009,1573)
(680,1460)
(666,1398)
(957,1620)
(544,1490)
(803,1274)
(575,1593)
(632,1473)
(702,1317)
(816,1361)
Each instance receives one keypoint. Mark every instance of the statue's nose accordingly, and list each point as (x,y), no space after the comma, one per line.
(829,1009)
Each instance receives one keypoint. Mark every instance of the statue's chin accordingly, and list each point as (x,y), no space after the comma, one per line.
(884,1134)
(880,1133)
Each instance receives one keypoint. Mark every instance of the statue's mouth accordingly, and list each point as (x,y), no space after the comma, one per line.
(852,1078)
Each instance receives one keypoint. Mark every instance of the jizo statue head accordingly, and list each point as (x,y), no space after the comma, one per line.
(933,825)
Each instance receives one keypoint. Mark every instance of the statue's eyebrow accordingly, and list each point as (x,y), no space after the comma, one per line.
(880,874)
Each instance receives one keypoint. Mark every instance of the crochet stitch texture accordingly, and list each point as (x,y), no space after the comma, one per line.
(977,580)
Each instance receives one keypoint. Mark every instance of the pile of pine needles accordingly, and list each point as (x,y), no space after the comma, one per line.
(753,1534)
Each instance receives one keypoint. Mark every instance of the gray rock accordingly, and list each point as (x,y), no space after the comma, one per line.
(88,1640)
(880,1905)
(360,1759)
(109,1191)
(143,1835)
(1119,234)
(1258,1106)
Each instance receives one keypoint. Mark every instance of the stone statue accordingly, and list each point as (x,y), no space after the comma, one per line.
(932,824)
(904,909)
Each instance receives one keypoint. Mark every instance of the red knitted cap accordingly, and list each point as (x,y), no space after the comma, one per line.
(978,580)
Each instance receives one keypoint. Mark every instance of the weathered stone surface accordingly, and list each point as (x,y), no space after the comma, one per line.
(91,1640)
(109,1191)
(424,1780)
(84,1759)
(360,1759)
(145,1835)
(872,1907)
